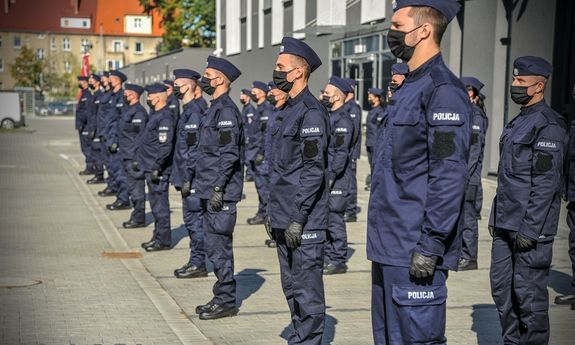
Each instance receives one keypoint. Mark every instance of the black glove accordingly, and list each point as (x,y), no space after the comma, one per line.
(491,230)
(259,159)
(422,266)
(217,199)
(268,226)
(186,190)
(155,176)
(113,148)
(135,166)
(523,244)
(293,234)
(571,206)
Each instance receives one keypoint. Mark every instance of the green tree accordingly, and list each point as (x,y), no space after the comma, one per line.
(185,22)
(30,71)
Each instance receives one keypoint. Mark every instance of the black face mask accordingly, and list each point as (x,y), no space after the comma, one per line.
(92,86)
(325,102)
(178,92)
(272,100)
(150,104)
(280,79)
(205,84)
(396,42)
(126,101)
(393,87)
(254,98)
(519,94)
(80,86)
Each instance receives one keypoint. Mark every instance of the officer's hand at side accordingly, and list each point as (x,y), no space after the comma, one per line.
(293,234)
(422,266)
(491,230)
(135,166)
(268,226)
(155,176)
(217,199)
(186,190)
(259,159)
(113,148)
(524,244)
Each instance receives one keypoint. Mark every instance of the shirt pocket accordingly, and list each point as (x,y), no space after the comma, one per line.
(522,155)
(409,144)
(290,146)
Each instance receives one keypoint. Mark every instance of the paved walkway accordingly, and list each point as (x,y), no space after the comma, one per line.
(69,274)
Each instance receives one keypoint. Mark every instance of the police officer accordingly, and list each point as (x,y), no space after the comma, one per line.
(374,118)
(120,183)
(154,158)
(569,298)
(186,155)
(94,83)
(470,232)
(219,182)
(277,98)
(248,111)
(298,197)
(83,115)
(355,112)
(418,182)
(398,73)
(340,155)
(131,127)
(103,106)
(202,101)
(525,212)
(173,101)
(256,145)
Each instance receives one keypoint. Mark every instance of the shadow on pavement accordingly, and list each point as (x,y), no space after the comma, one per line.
(178,234)
(560,282)
(248,282)
(328,333)
(486,324)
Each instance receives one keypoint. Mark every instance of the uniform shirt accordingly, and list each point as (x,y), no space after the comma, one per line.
(92,125)
(102,114)
(83,109)
(354,111)
(420,170)
(174,105)
(570,163)
(203,104)
(115,109)
(529,180)
(156,143)
(131,127)
(298,164)
(341,149)
(479,131)
(374,118)
(263,113)
(248,111)
(187,139)
(220,161)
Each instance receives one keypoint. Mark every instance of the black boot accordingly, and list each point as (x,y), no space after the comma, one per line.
(131,224)
(217,312)
(565,299)
(191,271)
(118,205)
(96,180)
(467,265)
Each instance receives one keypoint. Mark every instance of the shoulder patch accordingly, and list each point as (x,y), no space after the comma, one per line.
(446,118)
(225,123)
(164,128)
(547,145)
(310,131)
(341,130)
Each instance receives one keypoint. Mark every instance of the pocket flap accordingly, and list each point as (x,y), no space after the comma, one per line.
(406,121)
(414,295)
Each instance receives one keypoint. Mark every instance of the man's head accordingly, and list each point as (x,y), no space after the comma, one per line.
(132,93)
(530,76)
(82,82)
(218,76)
(374,96)
(170,84)
(473,86)
(94,81)
(185,82)
(157,95)
(276,96)
(245,96)
(335,92)
(117,78)
(295,62)
(259,90)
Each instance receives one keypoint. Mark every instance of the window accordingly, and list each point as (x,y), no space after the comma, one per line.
(139,48)
(41,36)
(66,44)
(53,43)
(138,24)
(277,21)
(233,28)
(40,53)
(117,46)
(67,67)
(299,17)
(261,24)
(85,42)
(1,65)
(329,12)
(114,64)
(17,42)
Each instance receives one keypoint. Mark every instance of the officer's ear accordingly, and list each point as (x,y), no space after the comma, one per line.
(540,87)
(425,30)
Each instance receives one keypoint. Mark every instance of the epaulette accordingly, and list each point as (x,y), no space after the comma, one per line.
(439,76)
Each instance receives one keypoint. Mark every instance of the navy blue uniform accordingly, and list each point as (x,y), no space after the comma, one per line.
(261,177)
(220,164)
(251,134)
(174,105)
(248,111)
(203,104)
(570,192)
(527,203)
(470,232)
(97,153)
(298,192)
(186,155)
(115,115)
(374,118)
(131,127)
(355,113)
(83,117)
(418,183)
(156,154)
(340,155)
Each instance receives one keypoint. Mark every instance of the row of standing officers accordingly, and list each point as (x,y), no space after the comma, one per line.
(425,150)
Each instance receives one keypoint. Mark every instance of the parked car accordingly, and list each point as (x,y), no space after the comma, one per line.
(58,108)
(11,111)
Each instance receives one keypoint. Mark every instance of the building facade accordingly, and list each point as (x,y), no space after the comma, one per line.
(114,32)
(350,38)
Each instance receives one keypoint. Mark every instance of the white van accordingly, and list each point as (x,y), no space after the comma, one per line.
(11,109)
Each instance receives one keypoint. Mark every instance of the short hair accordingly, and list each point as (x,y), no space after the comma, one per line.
(301,62)
(424,14)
